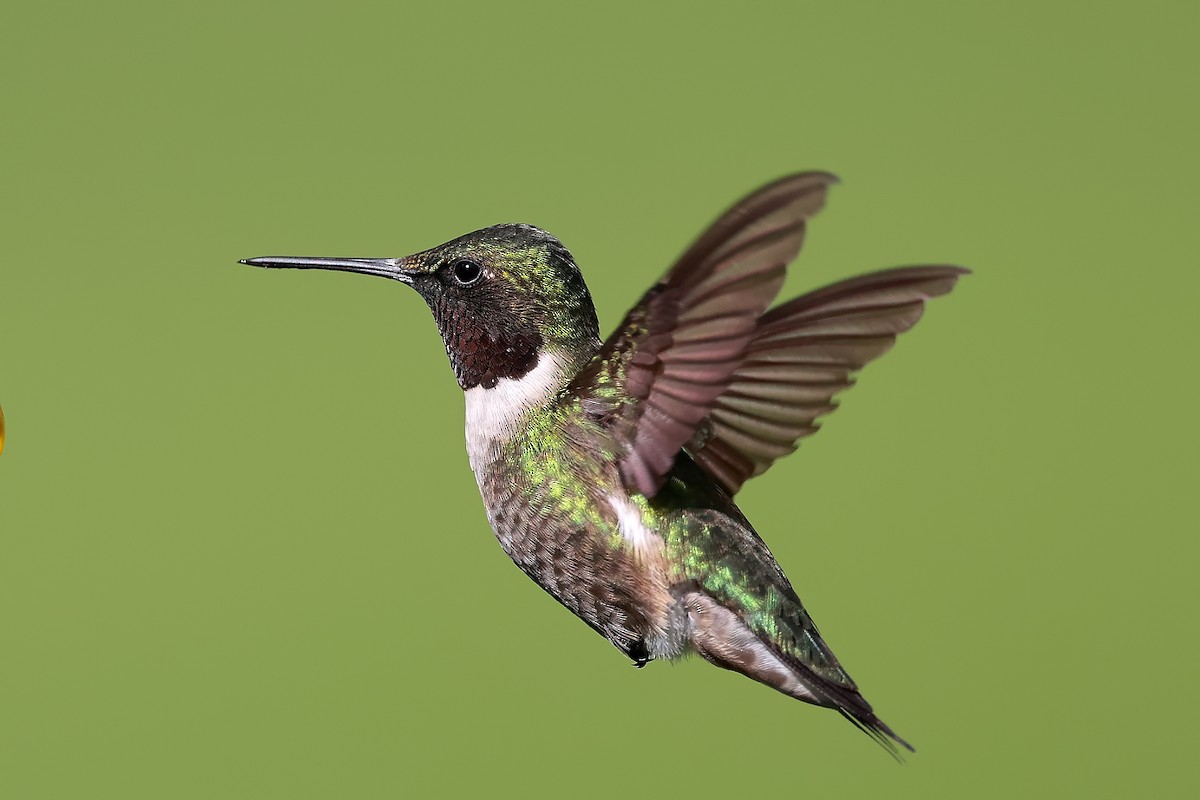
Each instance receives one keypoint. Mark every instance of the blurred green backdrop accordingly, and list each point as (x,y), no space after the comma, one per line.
(241,551)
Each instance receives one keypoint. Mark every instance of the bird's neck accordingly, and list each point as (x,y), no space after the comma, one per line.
(497,414)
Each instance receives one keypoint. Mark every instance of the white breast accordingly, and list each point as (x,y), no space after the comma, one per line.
(493,414)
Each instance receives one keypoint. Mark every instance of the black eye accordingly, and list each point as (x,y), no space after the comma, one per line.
(466,271)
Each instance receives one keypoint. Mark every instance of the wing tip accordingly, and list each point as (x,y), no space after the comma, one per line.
(824,176)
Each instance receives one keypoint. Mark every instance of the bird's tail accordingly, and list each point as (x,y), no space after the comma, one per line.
(878,730)
(722,638)
(847,701)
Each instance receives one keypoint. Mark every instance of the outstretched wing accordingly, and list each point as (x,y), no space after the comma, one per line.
(802,354)
(658,376)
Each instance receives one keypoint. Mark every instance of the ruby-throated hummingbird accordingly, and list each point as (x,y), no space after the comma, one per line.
(608,468)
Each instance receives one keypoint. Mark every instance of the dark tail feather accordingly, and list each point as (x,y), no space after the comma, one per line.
(884,736)
(855,708)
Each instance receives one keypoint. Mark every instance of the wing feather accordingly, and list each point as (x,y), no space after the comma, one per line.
(701,364)
(802,355)
(660,374)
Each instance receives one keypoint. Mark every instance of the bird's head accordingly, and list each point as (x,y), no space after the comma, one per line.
(503,297)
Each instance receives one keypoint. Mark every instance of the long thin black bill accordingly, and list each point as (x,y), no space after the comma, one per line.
(383,267)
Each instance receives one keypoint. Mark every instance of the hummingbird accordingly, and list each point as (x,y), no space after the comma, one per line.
(608,468)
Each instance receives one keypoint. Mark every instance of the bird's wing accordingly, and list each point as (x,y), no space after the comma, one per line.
(801,354)
(746,617)
(659,375)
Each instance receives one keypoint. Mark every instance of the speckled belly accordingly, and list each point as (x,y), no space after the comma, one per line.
(568,536)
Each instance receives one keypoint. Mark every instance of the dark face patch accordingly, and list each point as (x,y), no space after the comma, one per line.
(484,339)
(482,353)
(500,296)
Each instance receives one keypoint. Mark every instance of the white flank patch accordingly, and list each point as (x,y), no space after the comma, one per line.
(493,414)
(668,636)
(629,523)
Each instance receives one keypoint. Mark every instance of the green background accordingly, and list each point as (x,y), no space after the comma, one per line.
(241,551)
